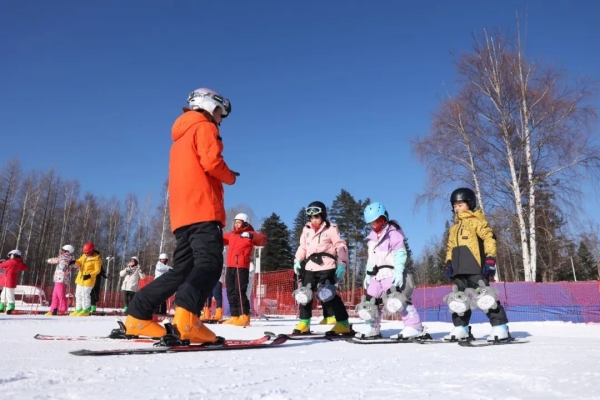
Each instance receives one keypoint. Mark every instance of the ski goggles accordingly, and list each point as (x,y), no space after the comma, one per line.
(313,211)
(223,103)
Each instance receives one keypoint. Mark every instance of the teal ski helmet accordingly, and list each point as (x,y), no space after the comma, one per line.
(374,211)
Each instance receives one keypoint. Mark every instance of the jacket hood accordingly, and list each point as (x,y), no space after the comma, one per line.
(373,235)
(469,214)
(185,122)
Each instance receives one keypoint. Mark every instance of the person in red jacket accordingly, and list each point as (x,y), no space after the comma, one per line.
(241,241)
(12,267)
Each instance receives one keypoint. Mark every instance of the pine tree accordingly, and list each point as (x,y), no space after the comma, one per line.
(587,269)
(347,214)
(277,253)
(299,223)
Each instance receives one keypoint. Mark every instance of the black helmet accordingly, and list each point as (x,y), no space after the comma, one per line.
(317,208)
(466,195)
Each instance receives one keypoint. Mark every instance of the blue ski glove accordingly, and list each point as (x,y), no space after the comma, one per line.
(400,257)
(367,281)
(489,268)
(448,270)
(340,271)
(297,267)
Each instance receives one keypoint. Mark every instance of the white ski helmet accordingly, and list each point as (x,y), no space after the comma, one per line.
(15,252)
(69,248)
(136,259)
(242,217)
(207,99)
(163,256)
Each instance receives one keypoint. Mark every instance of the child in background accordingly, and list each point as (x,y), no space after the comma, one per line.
(12,267)
(61,277)
(90,264)
(131,279)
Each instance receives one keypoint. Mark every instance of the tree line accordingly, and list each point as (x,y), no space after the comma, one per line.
(522,135)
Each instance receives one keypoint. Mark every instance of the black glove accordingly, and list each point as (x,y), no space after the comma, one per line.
(448,270)
(86,277)
(72,262)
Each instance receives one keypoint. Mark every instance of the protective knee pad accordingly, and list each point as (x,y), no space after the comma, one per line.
(303,294)
(458,302)
(367,310)
(326,291)
(394,301)
(485,297)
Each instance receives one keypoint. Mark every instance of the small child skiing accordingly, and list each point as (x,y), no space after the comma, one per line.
(90,264)
(470,264)
(61,277)
(11,267)
(326,258)
(387,280)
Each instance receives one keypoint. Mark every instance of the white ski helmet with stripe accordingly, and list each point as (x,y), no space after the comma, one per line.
(69,248)
(15,252)
(207,99)
(242,217)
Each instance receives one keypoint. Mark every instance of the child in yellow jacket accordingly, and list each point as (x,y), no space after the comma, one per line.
(89,265)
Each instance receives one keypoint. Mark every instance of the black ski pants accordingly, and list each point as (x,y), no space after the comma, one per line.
(236,280)
(497,316)
(334,306)
(197,265)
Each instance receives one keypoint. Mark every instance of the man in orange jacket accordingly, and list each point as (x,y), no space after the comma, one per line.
(197,172)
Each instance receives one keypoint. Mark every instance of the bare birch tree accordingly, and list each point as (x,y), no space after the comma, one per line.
(530,125)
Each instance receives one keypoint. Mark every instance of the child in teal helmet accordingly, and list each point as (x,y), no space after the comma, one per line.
(386,280)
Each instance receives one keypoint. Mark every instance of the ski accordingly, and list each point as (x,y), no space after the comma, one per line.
(39,336)
(222,345)
(310,336)
(495,343)
(423,339)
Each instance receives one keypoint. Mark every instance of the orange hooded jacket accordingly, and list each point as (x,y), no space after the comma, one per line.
(197,171)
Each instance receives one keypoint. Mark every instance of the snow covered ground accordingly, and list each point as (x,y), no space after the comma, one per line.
(562,361)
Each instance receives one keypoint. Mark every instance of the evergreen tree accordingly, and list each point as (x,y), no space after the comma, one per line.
(347,214)
(299,223)
(586,269)
(277,253)
(435,272)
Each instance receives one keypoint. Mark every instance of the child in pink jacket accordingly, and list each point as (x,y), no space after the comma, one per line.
(326,258)
(61,277)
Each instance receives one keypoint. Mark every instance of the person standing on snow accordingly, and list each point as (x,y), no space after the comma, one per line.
(386,275)
(89,264)
(8,280)
(162,267)
(241,241)
(197,172)
(61,276)
(471,264)
(131,279)
(327,259)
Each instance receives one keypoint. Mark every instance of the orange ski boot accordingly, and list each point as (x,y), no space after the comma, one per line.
(146,328)
(190,327)
(205,314)
(243,320)
(218,314)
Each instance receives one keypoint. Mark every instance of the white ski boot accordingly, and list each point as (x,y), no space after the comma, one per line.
(499,333)
(458,333)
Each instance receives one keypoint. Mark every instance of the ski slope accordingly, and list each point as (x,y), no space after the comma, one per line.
(562,361)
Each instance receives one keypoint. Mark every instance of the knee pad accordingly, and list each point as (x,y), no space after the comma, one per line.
(394,301)
(367,310)
(485,297)
(303,295)
(326,291)
(458,302)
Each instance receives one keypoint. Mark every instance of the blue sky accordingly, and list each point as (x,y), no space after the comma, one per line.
(325,94)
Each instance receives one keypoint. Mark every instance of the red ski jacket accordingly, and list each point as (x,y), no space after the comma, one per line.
(240,248)
(12,268)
